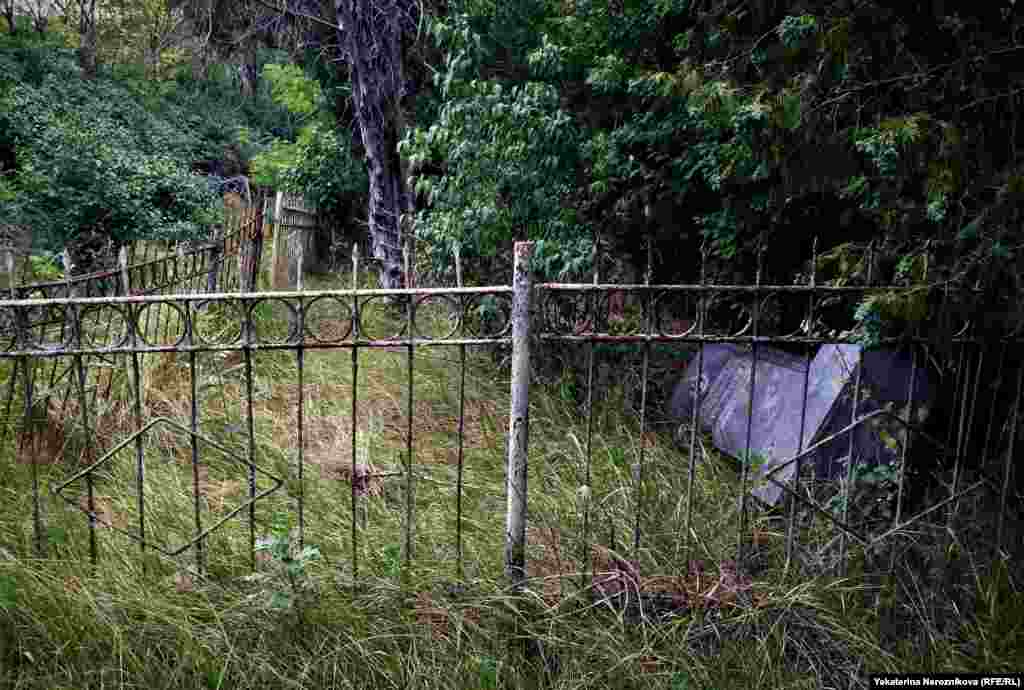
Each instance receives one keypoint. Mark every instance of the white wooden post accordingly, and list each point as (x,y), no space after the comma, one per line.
(516,489)
(279,255)
(9,265)
(122,260)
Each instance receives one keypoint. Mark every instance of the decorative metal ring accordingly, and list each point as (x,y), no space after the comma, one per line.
(42,325)
(8,328)
(450,306)
(102,326)
(491,317)
(327,320)
(673,326)
(143,315)
(230,315)
(275,305)
(568,312)
(383,303)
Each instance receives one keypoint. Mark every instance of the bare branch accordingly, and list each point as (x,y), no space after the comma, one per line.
(296,13)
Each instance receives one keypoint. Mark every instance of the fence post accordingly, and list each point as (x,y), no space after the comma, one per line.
(122,262)
(9,266)
(279,254)
(250,223)
(518,433)
(296,250)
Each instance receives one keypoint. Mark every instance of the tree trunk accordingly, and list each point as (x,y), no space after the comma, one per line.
(87,37)
(371,44)
(249,75)
(8,13)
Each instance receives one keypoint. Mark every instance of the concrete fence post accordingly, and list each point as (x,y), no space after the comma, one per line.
(519,413)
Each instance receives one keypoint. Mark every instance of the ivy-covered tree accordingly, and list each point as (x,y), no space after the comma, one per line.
(370,35)
(366,39)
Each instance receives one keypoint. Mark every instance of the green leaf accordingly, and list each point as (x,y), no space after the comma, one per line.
(8,592)
(280,601)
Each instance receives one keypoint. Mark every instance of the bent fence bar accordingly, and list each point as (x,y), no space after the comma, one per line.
(95,336)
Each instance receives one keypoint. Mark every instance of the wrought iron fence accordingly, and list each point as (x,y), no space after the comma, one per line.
(80,331)
(144,268)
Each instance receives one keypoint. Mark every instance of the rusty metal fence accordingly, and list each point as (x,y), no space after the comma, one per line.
(974,462)
(219,263)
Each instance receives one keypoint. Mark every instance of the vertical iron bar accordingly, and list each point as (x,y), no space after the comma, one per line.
(140,468)
(966,432)
(901,478)
(11,383)
(588,481)
(1008,463)
(410,482)
(638,475)
(143,289)
(958,394)
(194,442)
(27,439)
(965,385)
(808,331)
(992,416)
(299,362)
(87,435)
(462,419)
(250,420)
(746,460)
(519,417)
(691,469)
(137,390)
(851,463)
(355,428)
(12,283)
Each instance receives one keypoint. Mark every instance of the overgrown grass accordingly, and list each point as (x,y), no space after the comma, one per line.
(303,618)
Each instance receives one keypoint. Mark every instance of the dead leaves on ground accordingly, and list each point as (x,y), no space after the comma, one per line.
(615,577)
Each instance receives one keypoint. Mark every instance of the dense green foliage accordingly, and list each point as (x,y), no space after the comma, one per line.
(735,125)
(319,163)
(117,156)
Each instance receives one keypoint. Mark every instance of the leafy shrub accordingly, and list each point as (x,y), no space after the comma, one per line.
(91,159)
(319,164)
(510,164)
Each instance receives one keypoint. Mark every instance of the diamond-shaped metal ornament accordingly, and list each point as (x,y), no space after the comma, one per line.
(277,483)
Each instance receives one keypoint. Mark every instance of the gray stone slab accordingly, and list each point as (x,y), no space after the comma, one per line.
(772,433)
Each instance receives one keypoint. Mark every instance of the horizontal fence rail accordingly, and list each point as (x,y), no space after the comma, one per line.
(99,339)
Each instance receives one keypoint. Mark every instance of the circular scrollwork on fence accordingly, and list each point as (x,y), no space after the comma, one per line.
(49,327)
(569,312)
(728,314)
(102,326)
(436,317)
(8,328)
(624,312)
(833,314)
(275,320)
(676,312)
(770,315)
(161,323)
(488,315)
(373,317)
(218,322)
(328,320)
